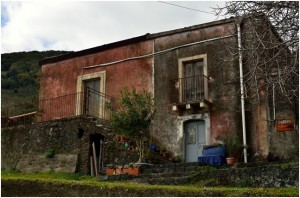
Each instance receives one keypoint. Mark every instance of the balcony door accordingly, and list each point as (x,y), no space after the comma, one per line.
(92,97)
(94,81)
(193,88)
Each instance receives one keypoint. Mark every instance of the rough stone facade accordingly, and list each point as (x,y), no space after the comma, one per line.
(19,143)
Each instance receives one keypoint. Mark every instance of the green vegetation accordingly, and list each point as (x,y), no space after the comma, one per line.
(49,153)
(134,117)
(207,168)
(80,185)
(20,75)
(232,144)
(49,176)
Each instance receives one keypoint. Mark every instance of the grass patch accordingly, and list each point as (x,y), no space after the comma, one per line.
(50,176)
(83,185)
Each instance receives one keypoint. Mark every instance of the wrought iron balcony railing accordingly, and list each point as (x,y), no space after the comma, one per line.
(90,103)
(193,88)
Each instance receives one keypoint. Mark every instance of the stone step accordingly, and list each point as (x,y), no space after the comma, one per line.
(159,171)
(255,175)
(150,175)
(160,179)
(170,167)
(172,174)
(170,170)
(162,174)
(167,165)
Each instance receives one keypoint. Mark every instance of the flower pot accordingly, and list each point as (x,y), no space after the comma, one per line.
(230,160)
(118,171)
(134,171)
(125,170)
(109,171)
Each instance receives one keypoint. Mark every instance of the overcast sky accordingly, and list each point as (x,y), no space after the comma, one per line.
(77,25)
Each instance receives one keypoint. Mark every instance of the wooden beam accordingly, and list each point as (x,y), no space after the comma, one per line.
(23,115)
(95,159)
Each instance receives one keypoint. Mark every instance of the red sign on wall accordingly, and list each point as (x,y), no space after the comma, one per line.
(285,124)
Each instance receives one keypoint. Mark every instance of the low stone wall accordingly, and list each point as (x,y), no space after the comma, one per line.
(68,137)
(59,163)
(272,175)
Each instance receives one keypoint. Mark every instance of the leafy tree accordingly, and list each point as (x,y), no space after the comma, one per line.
(8,83)
(134,116)
(20,75)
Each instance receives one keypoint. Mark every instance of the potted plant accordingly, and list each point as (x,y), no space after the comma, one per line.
(110,169)
(118,170)
(232,146)
(125,169)
(134,169)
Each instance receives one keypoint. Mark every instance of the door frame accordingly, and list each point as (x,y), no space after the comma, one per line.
(89,94)
(80,87)
(196,144)
(185,119)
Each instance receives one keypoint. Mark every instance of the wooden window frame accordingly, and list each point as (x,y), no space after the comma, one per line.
(183,61)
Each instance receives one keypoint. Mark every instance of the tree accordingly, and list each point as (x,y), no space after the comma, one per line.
(134,116)
(20,75)
(271,46)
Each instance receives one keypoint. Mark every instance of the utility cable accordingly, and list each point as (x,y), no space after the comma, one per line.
(186,7)
(157,53)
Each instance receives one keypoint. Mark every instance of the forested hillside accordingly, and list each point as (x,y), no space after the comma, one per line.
(20,74)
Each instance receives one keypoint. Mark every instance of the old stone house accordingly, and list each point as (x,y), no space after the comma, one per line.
(194,79)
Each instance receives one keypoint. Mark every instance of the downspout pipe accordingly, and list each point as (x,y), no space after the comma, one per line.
(242,88)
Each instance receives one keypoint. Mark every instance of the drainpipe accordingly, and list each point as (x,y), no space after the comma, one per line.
(242,89)
(274,103)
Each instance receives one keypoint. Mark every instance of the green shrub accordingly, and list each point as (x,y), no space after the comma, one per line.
(49,153)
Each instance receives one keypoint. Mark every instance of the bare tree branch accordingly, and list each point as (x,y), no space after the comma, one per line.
(270,45)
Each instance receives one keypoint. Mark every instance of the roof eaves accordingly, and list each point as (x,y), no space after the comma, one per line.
(94,49)
(194,27)
(130,41)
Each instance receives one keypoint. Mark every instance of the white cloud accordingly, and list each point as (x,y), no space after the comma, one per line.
(76,25)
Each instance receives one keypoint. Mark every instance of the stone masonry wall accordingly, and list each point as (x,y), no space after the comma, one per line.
(253,175)
(63,136)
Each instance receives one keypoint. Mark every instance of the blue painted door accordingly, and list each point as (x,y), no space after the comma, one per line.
(195,139)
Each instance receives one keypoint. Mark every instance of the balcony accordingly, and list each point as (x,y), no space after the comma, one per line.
(190,93)
(88,103)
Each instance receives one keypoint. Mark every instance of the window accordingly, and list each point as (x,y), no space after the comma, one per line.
(193,78)
(193,86)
